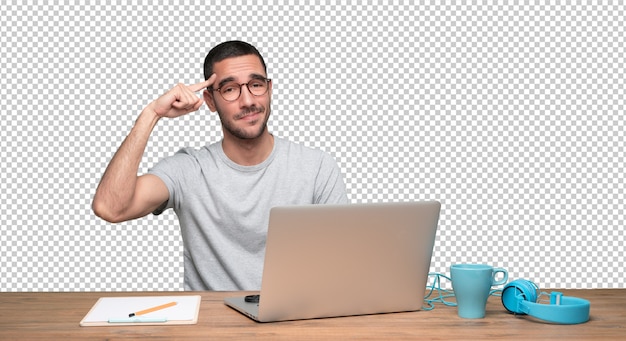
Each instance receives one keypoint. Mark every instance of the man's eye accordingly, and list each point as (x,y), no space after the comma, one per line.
(228,88)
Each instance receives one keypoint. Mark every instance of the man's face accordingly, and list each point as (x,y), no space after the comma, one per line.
(247,116)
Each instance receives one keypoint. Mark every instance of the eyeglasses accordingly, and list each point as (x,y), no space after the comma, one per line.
(231,91)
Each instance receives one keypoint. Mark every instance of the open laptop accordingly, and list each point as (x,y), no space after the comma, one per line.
(342,260)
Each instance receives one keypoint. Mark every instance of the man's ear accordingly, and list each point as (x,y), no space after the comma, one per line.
(209,100)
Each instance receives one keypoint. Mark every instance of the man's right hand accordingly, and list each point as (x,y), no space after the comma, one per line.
(180,100)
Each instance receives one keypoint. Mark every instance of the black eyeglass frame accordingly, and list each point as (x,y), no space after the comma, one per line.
(267,81)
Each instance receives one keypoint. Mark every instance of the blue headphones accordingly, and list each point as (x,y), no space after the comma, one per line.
(520,297)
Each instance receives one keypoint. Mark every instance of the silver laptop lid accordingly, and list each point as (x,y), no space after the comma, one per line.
(340,260)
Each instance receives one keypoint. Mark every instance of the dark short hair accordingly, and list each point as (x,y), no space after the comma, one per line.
(229,49)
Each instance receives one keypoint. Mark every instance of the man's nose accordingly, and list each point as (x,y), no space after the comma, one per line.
(246,98)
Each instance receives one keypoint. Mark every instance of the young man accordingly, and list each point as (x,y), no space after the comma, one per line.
(222,193)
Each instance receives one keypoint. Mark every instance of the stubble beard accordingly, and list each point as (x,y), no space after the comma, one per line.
(242,133)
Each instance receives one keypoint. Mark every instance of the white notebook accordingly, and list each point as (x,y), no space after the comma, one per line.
(115,311)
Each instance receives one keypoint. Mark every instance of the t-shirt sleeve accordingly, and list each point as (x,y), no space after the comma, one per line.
(171,171)
(330,186)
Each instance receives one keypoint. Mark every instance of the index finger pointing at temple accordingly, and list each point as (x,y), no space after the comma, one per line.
(203,85)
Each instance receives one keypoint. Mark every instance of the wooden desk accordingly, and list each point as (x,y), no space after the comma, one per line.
(55,316)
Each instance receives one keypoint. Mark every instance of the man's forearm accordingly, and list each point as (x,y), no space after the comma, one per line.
(117,186)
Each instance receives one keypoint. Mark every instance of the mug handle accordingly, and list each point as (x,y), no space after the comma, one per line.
(504,279)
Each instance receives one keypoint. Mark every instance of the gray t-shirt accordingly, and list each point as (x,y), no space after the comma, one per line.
(223,208)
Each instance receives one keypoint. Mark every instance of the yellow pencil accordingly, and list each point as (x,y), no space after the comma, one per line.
(149,310)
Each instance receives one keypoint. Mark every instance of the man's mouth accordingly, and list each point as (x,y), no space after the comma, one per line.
(249,115)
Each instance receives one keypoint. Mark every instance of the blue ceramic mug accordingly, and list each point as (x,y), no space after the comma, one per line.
(471,284)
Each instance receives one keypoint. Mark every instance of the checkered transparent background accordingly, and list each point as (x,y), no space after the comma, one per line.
(510,115)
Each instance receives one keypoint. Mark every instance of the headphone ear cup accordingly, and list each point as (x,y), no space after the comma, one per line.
(517,291)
